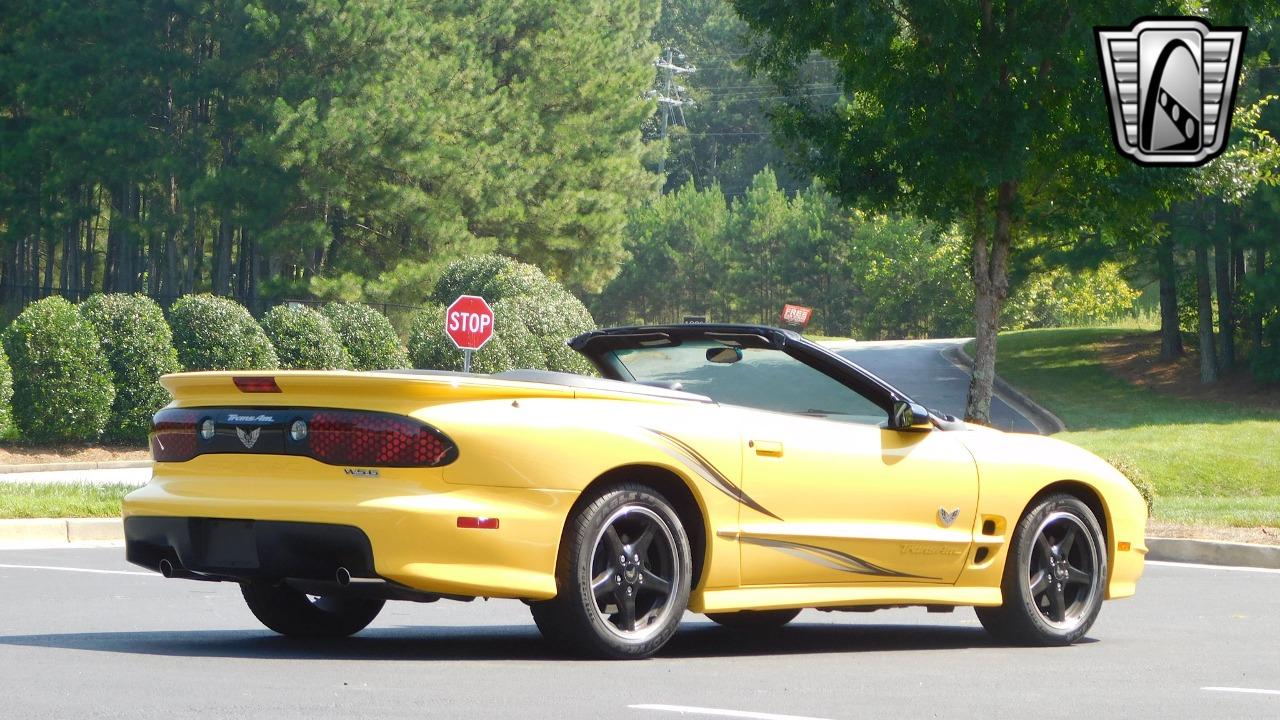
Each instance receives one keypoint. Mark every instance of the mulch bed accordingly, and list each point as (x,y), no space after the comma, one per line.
(1136,359)
(18,454)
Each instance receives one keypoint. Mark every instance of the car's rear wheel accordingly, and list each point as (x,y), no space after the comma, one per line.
(1054,576)
(623,576)
(296,614)
(754,619)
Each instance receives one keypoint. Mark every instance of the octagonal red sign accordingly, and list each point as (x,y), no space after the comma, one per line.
(469,322)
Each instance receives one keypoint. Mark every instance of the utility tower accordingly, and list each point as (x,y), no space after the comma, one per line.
(670,94)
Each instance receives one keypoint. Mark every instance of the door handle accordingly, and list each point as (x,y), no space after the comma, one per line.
(768,448)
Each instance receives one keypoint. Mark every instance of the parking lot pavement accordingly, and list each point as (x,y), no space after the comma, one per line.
(85,635)
(917,368)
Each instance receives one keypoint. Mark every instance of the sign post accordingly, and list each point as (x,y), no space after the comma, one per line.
(468,321)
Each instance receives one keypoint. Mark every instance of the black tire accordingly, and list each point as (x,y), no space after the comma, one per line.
(1054,577)
(754,619)
(293,613)
(623,576)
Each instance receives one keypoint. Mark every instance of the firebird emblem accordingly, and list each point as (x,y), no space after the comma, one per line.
(248,438)
(946,518)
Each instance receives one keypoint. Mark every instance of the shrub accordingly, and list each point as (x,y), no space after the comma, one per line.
(367,336)
(6,396)
(538,316)
(62,389)
(215,333)
(492,277)
(1136,476)
(138,346)
(304,339)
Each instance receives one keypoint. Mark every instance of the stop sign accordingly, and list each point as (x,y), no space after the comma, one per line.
(469,322)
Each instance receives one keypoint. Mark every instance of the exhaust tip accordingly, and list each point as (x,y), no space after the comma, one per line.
(343,576)
(166,568)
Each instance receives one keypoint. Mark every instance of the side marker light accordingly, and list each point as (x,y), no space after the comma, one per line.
(478,523)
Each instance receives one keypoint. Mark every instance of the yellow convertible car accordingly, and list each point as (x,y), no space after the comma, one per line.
(738,471)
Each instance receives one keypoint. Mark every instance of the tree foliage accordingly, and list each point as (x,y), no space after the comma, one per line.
(62,387)
(260,148)
(138,347)
(961,115)
(867,275)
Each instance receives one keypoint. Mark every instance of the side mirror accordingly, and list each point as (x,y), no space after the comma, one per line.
(909,416)
(724,355)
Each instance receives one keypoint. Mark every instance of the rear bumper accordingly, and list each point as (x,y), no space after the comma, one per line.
(243,518)
(248,549)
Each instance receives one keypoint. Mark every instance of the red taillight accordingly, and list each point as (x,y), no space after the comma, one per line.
(341,437)
(173,435)
(478,523)
(256,384)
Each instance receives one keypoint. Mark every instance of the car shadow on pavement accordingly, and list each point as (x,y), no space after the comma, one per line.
(509,642)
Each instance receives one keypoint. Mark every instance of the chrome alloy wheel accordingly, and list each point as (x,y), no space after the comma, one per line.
(634,573)
(1064,577)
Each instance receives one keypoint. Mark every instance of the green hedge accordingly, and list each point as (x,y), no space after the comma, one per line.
(62,387)
(215,333)
(6,395)
(367,336)
(304,339)
(138,346)
(533,317)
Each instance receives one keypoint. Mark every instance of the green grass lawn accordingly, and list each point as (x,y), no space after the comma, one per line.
(1215,463)
(60,500)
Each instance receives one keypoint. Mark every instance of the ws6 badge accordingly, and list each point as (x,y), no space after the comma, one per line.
(1171,84)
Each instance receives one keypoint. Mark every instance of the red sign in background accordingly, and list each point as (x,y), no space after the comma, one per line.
(469,322)
(796,315)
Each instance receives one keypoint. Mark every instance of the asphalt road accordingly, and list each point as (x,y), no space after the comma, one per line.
(89,642)
(917,368)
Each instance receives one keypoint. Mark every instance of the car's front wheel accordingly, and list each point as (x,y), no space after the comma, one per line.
(623,576)
(296,614)
(1053,577)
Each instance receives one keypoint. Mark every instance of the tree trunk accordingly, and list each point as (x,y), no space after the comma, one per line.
(1226,316)
(1170,329)
(991,285)
(91,240)
(221,271)
(1204,312)
(1255,316)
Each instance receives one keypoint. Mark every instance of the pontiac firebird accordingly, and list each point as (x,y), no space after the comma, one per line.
(742,472)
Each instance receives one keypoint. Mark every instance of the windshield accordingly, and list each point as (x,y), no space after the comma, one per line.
(761,378)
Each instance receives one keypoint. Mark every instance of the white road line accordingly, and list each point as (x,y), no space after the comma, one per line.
(1250,691)
(1197,566)
(82,570)
(720,712)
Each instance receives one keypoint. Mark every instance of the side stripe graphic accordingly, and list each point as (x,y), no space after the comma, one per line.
(829,558)
(681,451)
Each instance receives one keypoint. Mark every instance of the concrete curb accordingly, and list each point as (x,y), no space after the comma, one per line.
(1045,422)
(1213,552)
(72,466)
(60,530)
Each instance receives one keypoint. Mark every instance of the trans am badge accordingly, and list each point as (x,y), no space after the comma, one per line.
(1170,84)
(248,439)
